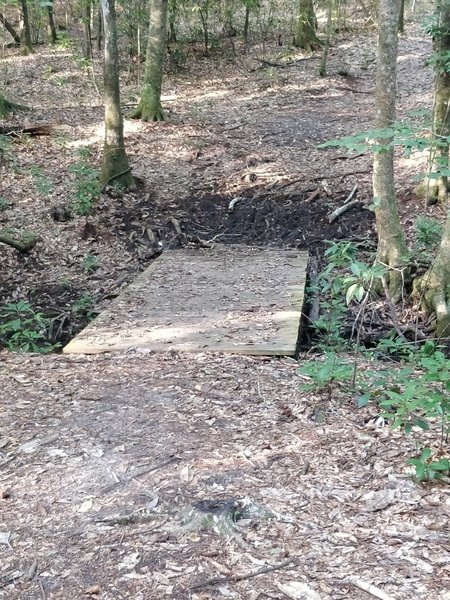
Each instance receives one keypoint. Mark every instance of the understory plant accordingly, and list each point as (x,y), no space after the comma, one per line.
(413,394)
(85,183)
(22,329)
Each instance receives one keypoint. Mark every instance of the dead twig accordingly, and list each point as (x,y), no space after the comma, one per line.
(348,205)
(268,569)
(392,311)
(369,588)
(41,589)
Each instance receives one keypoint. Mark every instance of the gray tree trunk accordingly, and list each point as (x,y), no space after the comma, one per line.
(392,248)
(115,168)
(435,188)
(25,36)
(434,286)
(52,33)
(149,107)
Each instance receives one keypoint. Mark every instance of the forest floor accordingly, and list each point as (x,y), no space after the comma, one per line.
(102,459)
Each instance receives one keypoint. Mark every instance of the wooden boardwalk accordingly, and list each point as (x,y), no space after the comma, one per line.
(236,299)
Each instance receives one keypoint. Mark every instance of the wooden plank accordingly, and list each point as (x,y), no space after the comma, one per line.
(235,299)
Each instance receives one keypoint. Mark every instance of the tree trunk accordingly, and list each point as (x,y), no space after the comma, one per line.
(434,286)
(10,29)
(434,187)
(116,167)
(149,107)
(305,36)
(51,25)
(326,46)
(173,10)
(392,248)
(401,18)
(25,38)
(87,18)
(99,28)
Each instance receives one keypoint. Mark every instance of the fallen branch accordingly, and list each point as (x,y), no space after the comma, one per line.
(23,246)
(348,204)
(369,588)
(392,310)
(268,569)
(291,63)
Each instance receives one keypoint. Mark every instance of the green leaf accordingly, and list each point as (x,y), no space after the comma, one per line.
(363,400)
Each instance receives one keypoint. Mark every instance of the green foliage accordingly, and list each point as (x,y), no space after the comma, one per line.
(326,374)
(343,281)
(414,396)
(84,307)
(42,183)
(24,330)
(4,204)
(90,263)
(428,469)
(428,233)
(85,185)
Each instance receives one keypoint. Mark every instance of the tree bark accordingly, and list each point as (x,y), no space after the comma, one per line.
(149,107)
(305,36)
(392,249)
(51,25)
(401,17)
(173,11)
(434,287)
(435,187)
(116,167)
(25,38)
(326,46)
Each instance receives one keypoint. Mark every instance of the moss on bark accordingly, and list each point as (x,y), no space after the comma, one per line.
(305,35)
(149,107)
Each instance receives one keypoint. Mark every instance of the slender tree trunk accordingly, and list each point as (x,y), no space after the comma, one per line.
(87,9)
(305,36)
(10,29)
(149,107)
(326,46)
(204,17)
(392,248)
(51,25)
(115,168)
(435,187)
(173,10)
(246,23)
(401,18)
(25,39)
(99,29)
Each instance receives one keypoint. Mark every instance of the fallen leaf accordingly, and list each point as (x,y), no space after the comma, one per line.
(298,591)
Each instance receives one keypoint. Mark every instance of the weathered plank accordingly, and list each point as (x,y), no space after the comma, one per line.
(235,299)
